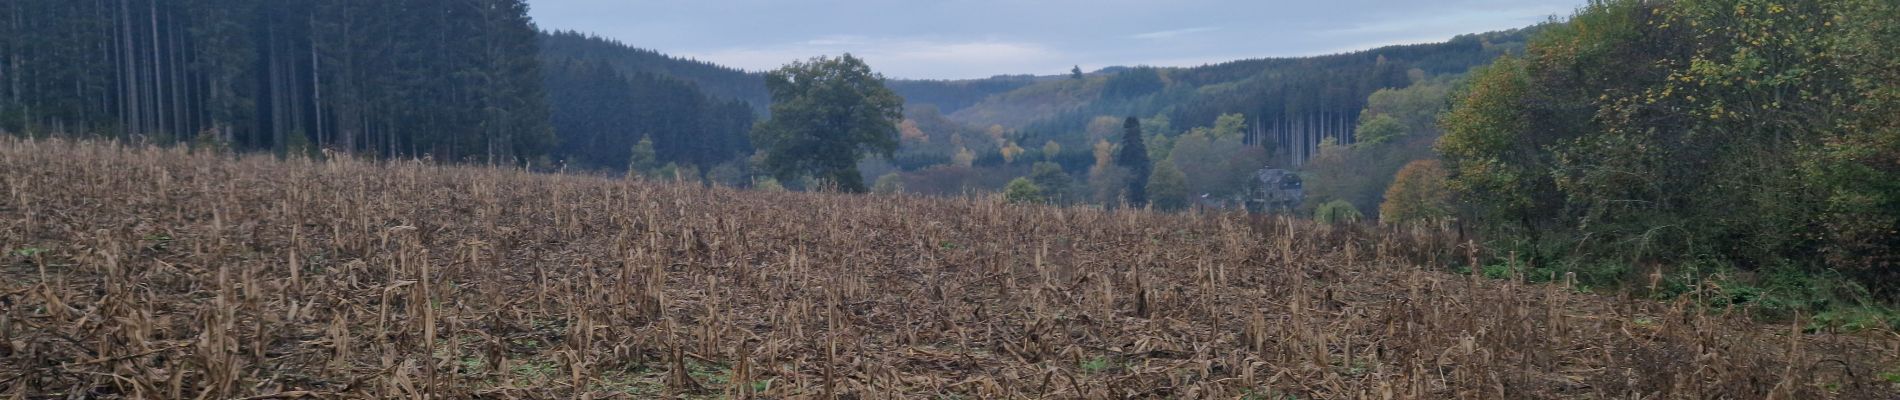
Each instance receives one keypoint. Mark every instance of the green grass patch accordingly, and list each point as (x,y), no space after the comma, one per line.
(1097,365)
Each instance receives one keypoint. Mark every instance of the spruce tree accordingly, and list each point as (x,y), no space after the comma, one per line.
(1134,157)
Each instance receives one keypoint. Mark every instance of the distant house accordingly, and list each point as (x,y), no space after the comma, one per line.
(1275,190)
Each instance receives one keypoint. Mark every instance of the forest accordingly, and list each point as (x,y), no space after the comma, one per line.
(451,79)
(1695,139)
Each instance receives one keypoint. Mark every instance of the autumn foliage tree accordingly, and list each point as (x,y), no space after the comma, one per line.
(1753,133)
(1418,195)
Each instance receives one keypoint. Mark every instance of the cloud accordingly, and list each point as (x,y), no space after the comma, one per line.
(837,40)
(1170,34)
(1450,22)
(898,57)
(951,39)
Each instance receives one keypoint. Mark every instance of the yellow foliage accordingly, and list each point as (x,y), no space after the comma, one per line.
(1010,150)
(964,157)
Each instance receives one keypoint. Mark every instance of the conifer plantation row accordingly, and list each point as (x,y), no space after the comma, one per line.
(454,79)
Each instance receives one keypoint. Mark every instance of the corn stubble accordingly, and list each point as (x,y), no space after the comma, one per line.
(143,272)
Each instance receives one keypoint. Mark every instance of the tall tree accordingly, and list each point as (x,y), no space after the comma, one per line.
(827,113)
(1134,157)
(1168,186)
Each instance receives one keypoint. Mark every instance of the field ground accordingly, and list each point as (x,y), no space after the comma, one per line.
(157,273)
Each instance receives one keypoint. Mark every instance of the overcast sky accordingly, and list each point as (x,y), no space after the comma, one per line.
(955,39)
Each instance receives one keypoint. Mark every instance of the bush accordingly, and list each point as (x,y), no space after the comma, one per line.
(1167,187)
(1760,134)
(888,184)
(1337,212)
(1021,191)
(768,184)
(1418,195)
(1054,182)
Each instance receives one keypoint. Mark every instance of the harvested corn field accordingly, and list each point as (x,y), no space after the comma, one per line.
(143,272)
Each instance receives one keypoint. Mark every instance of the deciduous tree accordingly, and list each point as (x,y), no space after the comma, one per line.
(827,113)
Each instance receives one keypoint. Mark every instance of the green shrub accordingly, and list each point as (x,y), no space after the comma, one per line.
(888,184)
(1337,212)
(1021,190)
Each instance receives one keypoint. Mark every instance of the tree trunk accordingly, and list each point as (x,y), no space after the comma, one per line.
(158,89)
(133,123)
(316,82)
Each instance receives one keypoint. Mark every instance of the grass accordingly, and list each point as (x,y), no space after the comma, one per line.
(28,251)
(1777,294)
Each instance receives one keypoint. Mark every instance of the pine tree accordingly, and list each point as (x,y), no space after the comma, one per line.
(1134,157)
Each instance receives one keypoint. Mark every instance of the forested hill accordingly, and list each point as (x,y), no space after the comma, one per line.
(955,95)
(734,84)
(407,78)
(606,98)
(715,80)
(1293,101)
(390,77)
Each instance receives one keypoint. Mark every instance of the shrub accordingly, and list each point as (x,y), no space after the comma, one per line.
(1418,195)
(1337,212)
(888,184)
(1021,190)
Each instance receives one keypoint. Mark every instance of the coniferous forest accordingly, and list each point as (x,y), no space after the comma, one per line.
(457,80)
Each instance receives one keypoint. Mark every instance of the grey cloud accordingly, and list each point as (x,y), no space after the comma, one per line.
(978,38)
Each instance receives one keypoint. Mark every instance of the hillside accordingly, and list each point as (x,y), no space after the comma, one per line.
(715,80)
(748,86)
(1291,104)
(138,272)
(602,109)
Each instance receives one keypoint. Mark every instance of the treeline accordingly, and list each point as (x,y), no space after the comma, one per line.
(601,111)
(452,79)
(728,83)
(1292,105)
(714,80)
(949,96)
(1713,135)
(1215,125)
(1397,127)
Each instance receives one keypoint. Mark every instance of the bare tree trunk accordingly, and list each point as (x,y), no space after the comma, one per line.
(181,125)
(13,48)
(316,81)
(158,89)
(274,78)
(133,123)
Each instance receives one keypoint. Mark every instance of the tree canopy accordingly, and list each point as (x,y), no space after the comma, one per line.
(1134,157)
(1749,133)
(1418,195)
(827,113)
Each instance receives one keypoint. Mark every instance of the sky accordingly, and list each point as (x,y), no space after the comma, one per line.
(964,39)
